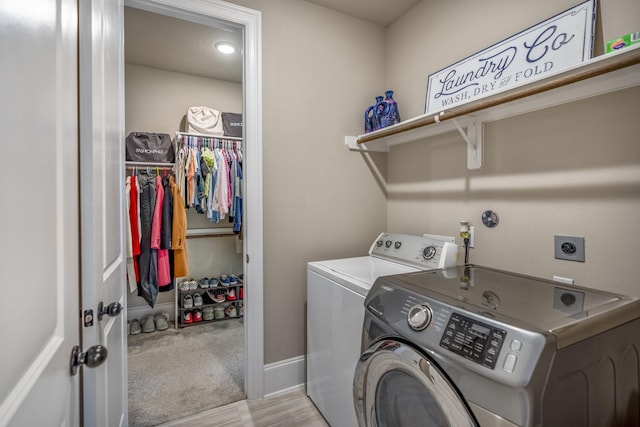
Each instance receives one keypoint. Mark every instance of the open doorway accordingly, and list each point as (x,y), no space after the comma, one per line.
(166,72)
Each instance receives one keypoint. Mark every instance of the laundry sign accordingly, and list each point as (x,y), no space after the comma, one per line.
(547,48)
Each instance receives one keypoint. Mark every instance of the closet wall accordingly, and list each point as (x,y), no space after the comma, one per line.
(157,101)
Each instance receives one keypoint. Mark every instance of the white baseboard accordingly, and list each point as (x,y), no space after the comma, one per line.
(284,375)
(143,310)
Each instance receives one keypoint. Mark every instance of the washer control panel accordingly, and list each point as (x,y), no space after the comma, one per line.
(480,341)
(416,251)
(473,340)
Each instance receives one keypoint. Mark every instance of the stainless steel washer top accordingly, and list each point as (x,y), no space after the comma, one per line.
(514,347)
(566,313)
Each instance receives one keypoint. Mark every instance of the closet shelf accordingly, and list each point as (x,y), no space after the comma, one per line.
(600,75)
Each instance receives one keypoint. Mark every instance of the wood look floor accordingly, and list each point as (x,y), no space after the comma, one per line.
(289,409)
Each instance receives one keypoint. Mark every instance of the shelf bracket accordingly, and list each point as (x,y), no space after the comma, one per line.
(352,145)
(475,142)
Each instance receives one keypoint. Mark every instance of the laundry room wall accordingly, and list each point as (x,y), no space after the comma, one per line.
(157,101)
(572,169)
(320,69)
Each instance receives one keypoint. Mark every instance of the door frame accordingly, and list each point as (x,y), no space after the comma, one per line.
(222,14)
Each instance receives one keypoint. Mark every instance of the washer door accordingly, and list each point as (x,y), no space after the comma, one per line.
(396,385)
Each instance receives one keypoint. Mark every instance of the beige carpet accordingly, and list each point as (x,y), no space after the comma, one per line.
(176,373)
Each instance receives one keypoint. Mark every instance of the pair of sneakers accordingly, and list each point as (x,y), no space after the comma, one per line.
(148,324)
(207,283)
(194,316)
(215,297)
(230,280)
(189,301)
(188,285)
(231,311)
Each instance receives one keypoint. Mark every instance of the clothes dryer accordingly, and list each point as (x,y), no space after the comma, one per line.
(474,346)
(336,290)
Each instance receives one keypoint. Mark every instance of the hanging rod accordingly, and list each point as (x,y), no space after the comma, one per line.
(202,135)
(145,164)
(210,232)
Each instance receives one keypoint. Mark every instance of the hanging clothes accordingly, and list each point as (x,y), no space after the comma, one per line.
(131,271)
(237,216)
(167,228)
(134,222)
(156,233)
(148,286)
(212,180)
(179,232)
(164,271)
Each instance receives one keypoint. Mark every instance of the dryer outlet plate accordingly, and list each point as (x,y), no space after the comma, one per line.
(570,248)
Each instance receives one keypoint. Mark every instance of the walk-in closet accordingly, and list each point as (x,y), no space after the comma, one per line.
(185,318)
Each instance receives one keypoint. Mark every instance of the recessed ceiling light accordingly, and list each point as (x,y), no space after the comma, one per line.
(225,47)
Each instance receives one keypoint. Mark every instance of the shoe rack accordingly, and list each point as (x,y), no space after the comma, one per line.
(197,305)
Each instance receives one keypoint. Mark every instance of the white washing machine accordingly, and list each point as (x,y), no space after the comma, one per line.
(336,290)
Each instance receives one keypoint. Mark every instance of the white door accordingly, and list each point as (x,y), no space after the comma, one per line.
(102,206)
(39,265)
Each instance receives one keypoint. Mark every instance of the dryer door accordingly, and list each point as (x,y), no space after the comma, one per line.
(397,385)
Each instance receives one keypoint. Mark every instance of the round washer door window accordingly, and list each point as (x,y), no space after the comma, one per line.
(396,385)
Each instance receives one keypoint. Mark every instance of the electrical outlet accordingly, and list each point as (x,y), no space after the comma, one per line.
(570,248)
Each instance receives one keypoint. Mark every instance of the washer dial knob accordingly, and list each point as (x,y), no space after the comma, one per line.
(429,252)
(419,317)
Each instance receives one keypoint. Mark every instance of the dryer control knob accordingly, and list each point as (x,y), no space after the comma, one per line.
(429,252)
(419,317)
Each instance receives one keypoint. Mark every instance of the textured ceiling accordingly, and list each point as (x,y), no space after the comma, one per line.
(159,41)
(172,44)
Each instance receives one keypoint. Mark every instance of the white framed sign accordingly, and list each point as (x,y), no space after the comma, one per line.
(547,48)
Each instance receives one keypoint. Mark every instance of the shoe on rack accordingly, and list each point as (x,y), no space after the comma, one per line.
(148,324)
(184,286)
(187,301)
(204,283)
(213,282)
(241,293)
(187,317)
(197,300)
(207,313)
(224,280)
(128,327)
(241,309)
(230,311)
(233,279)
(207,297)
(219,297)
(231,295)
(197,315)
(162,321)
(135,327)
(218,312)
(193,285)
